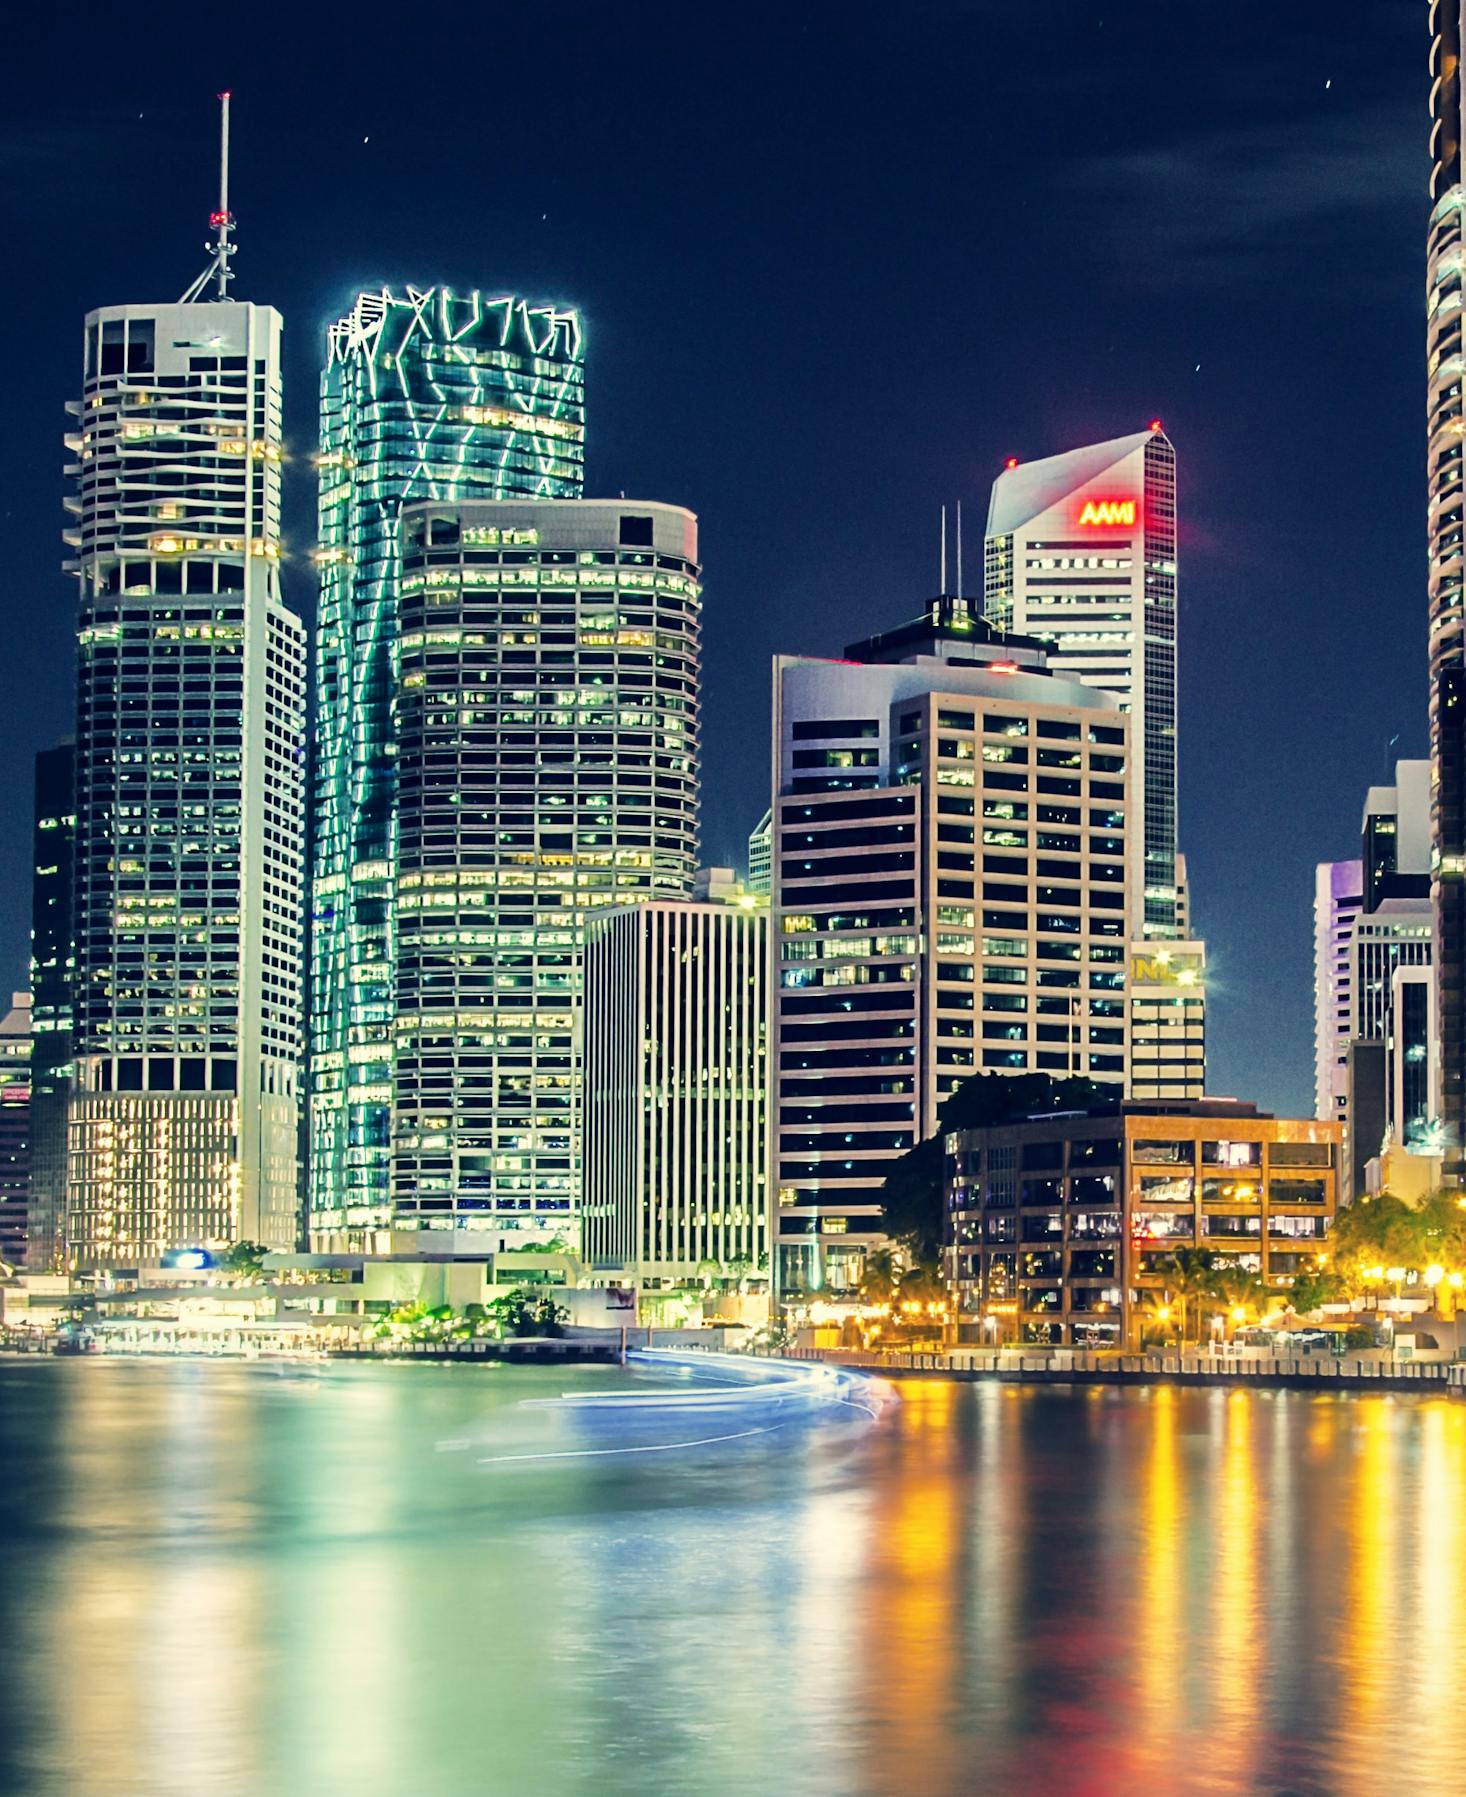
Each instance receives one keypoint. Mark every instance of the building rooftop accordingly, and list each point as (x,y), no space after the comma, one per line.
(950,629)
(1030,489)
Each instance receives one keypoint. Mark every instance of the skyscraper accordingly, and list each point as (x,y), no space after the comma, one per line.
(1337,898)
(1081,553)
(53,969)
(426,395)
(1372,950)
(676,1099)
(951,894)
(15,1142)
(1446,419)
(189,784)
(761,854)
(546,683)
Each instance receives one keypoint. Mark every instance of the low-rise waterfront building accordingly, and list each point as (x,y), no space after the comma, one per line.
(1062,1228)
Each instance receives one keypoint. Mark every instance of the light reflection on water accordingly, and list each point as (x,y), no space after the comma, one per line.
(216,1580)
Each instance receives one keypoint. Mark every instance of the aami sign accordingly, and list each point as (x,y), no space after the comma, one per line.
(1107,511)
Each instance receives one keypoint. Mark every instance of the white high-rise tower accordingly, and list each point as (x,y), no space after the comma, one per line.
(189,783)
(1080,553)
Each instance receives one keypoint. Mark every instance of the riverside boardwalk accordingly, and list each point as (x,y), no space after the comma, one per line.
(1310,1372)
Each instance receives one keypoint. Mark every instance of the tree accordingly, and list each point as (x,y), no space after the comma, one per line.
(245,1261)
(1189,1273)
(522,1313)
(1382,1231)
(922,1283)
(1310,1291)
(513,1313)
(1234,1289)
(880,1276)
(550,1318)
(912,1198)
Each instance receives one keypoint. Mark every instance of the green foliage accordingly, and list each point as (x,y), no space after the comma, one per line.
(922,1282)
(880,1278)
(912,1195)
(419,1322)
(245,1261)
(911,1198)
(1385,1232)
(1311,1291)
(1190,1273)
(523,1313)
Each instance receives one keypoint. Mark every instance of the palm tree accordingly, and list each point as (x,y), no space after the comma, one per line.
(880,1276)
(1189,1273)
(923,1282)
(1234,1289)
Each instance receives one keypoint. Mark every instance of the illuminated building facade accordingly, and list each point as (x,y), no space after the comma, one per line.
(761,854)
(15,1134)
(1446,443)
(1080,553)
(1060,1229)
(1372,921)
(951,895)
(676,1091)
(1166,998)
(426,395)
(53,971)
(1338,894)
(189,790)
(546,682)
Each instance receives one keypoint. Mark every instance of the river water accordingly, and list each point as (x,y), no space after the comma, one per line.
(217,1579)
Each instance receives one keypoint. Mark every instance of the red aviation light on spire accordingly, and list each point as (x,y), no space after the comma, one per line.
(1099,514)
(1155,424)
(1012,462)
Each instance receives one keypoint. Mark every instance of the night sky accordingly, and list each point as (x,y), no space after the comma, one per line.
(836,264)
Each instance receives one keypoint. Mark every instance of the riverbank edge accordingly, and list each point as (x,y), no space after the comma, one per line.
(1294,1373)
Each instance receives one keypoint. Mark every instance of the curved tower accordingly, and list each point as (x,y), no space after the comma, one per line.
(1446,423)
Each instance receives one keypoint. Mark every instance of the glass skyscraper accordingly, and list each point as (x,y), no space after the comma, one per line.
(427,395)
(189,790)
(1446,467)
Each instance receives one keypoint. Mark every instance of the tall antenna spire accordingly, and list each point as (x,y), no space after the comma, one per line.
(959,548)
(223,219)
(943,587)
(221,223)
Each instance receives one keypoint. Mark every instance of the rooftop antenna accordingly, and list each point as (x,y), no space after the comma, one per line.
(221,222)
(944,550)
(959,548)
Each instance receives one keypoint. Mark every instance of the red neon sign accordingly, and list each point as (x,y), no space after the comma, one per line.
(1107,511)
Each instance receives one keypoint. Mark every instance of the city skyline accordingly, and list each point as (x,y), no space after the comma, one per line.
(1263,587)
